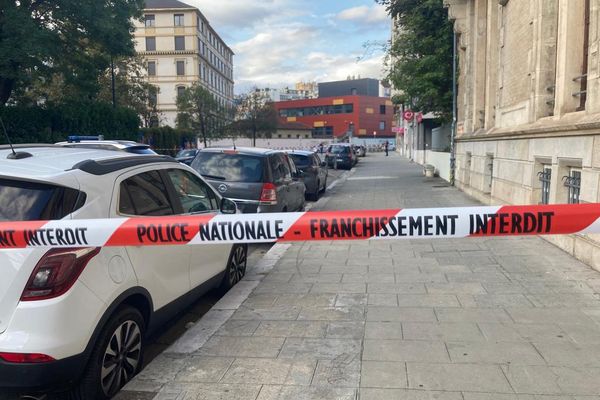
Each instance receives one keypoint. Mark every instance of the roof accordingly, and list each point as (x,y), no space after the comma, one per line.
(300,152)
(241,150)
(296,126)
(49,160)
(153,4)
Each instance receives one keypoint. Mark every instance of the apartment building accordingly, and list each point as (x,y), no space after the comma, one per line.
(529,105)
(180,47)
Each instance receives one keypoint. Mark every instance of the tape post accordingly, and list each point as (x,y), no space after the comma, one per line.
(391,224)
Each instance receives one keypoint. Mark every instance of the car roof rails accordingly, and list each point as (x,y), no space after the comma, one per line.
(79,138)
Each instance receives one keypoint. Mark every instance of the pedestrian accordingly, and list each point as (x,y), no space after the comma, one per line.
(387,145)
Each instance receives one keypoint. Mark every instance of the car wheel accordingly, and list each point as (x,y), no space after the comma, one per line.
(236,266)
(116,357)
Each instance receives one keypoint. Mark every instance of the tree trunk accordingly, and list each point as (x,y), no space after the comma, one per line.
(253,135)
(203,128)
(6,88)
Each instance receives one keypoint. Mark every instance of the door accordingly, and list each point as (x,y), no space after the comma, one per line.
(162,270)
(196,197)
(296,185)
(281,178)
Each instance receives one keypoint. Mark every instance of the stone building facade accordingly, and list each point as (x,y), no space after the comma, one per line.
(180,47)
(529,105)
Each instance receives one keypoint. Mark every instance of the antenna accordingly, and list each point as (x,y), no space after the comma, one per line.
(14,155)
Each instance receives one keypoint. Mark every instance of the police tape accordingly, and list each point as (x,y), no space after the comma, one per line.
(417,223)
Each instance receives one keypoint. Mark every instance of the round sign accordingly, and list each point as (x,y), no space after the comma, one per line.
(409,115)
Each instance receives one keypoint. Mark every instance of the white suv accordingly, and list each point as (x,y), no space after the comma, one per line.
(78,317)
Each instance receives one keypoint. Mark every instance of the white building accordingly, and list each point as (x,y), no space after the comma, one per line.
(180,47)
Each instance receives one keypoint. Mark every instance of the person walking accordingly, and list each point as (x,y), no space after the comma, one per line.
(387,145)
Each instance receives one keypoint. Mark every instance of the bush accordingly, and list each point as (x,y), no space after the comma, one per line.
(53,123)
(166,140)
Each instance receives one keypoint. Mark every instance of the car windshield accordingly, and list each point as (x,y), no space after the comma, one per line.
(187,153)
(339,149)
(301,161)
(229,167)
(27,201)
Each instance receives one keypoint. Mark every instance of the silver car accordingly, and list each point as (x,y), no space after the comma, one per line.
(258,180)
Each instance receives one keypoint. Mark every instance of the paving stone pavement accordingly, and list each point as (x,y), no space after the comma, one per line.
(458,319)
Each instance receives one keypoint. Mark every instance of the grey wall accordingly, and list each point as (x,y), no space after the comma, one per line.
(364,87)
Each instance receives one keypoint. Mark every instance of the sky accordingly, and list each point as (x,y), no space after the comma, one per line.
(280,42)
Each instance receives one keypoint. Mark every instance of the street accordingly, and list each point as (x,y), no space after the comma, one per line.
(449,319)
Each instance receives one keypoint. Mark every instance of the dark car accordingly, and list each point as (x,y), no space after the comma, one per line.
(341,155)
(186,156)
(314,172)
(258,180)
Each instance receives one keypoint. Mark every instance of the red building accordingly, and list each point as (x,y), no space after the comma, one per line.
(329,117)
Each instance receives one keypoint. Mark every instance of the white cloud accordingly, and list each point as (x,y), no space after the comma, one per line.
(240,14)
(365,15)
(280,42)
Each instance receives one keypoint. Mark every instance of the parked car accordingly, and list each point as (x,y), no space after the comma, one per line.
(314,172)
(186,156)
(77,317)
(88,142)
(361,151)
(258,180)
(341,155)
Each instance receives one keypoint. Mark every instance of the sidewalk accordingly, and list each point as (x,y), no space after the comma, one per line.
(472,319)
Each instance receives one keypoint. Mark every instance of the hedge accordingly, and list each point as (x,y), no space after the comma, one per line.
(53,123)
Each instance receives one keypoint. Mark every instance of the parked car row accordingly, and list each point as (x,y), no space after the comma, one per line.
(77,318)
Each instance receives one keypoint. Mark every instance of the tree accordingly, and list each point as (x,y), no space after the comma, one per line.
(62,40)
(256,114)
(199,110)
(132,89)
(421,55)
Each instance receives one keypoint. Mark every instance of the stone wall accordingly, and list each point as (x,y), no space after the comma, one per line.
(519,105)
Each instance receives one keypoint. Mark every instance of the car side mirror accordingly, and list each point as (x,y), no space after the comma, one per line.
(228,206)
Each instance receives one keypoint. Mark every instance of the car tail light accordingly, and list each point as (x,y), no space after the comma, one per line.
(56,272)
(268,194)
(22,358)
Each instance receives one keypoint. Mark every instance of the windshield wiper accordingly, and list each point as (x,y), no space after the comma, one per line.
(219,178)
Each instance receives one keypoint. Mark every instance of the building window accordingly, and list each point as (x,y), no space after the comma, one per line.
(149,20)
(573,184)
(584,64)
(545,176)
(153,97)
(323,131)
(179,43)
(353,91)
(178,19)
(180,91)
(151,68)
(382,109)
(180,68)
(489,173)
(150,43)
(381,125)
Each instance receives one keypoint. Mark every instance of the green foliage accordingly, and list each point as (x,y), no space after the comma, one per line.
(421,55)
(201,113)
(256,115)
(32,124)
(64,41)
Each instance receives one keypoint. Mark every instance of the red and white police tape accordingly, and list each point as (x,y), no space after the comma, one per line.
(321,225)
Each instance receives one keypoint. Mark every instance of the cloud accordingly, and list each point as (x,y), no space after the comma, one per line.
(240,14)
(375,14)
